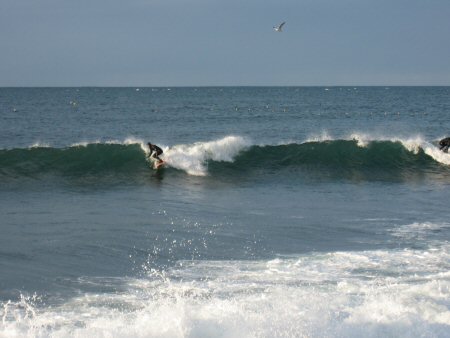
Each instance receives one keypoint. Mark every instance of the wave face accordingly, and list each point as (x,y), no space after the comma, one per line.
(234,155)
(338,155)
(76,160)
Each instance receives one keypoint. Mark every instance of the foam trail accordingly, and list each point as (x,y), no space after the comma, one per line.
(393,293)
(419,231)
(192,157)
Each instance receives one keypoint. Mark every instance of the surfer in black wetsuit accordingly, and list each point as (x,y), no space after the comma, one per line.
(444,144)
(155,151)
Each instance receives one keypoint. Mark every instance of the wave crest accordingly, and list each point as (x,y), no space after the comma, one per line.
(193,158)
(233,155)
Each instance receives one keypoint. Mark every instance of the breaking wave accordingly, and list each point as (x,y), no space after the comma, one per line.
(398,293)
(232,155)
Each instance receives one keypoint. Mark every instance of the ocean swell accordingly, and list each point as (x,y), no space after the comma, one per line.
(231,155)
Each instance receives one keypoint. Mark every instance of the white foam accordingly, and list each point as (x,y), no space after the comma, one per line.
(362,140)
(436,154)
(323,136)
(399,293)
(418,231)
(85,143)
(40,145)
(127,141)
(413,144)
(133,140)
(192,157)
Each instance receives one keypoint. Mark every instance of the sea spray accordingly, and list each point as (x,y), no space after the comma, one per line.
(192,158)
(234,154)
(335,294)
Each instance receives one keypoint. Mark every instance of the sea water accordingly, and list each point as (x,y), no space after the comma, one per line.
(280,212)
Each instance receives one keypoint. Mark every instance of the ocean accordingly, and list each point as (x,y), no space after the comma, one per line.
(280,212)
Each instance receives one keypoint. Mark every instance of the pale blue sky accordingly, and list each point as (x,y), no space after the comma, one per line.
(218,42)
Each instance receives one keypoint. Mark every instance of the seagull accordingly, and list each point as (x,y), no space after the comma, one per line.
(279,28)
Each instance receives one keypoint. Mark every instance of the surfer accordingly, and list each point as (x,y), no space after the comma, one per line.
(155,151)
(444,144)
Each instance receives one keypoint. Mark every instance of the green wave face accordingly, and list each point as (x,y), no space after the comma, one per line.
(337,159)
(338,154)
(93,159)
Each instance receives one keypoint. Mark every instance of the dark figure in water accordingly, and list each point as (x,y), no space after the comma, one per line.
(444,144)
(155,151)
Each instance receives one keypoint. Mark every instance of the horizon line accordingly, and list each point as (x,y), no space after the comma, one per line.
(222,86)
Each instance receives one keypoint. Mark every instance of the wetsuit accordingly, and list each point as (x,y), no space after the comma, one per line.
(444,144)
(155,151)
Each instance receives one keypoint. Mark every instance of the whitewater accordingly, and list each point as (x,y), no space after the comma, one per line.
(323,295)
(193,159)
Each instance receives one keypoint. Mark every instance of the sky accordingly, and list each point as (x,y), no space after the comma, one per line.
(224,42)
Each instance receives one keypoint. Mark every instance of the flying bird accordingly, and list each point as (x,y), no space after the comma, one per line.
(279,28)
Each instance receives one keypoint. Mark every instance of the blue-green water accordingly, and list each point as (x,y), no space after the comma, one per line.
(281,211)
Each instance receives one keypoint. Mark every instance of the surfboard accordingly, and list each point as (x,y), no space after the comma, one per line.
(157,164)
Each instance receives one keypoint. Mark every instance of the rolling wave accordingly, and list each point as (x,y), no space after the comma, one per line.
(231,155)
(72,161)
(337,154)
